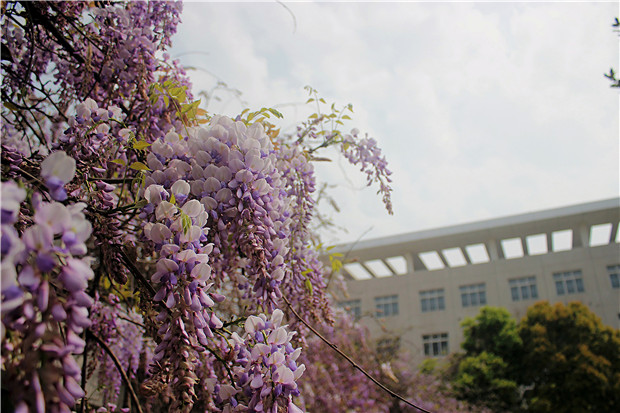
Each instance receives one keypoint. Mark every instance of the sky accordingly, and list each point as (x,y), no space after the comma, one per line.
(482,109)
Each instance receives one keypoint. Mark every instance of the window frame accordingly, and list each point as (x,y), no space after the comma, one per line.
(614,275)
(387,306)
(521,284)
(432,300)
(436,344)
(569,282)
(352,307)
(473,292)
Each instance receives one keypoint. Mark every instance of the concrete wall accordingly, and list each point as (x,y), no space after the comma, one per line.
(590,252)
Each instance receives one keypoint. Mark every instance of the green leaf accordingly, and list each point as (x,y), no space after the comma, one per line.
(309,286)
(173,199)
(346,117)
(186,223)
(276,113)
(11,106)
(310,100)
(140,145)
(175,91)
(141,203)
(139,166)
(119,161)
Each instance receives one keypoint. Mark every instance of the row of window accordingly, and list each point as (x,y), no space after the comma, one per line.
(524,288)
(434,345)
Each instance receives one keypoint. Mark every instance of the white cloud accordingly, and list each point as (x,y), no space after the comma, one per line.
(482,109)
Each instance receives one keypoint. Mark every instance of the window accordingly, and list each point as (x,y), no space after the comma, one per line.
(569,282)
(386,306)
(523,288)
(472,295)
(432,300)
(435,344)
(387,348)
(614,274)
(353,307)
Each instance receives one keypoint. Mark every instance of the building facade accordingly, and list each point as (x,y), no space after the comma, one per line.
(413,290)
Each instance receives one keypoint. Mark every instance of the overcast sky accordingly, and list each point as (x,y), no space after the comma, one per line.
(482,109)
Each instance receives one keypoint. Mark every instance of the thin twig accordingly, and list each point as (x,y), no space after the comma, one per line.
(135,271)
(84,366)
(347,358)
(104,346)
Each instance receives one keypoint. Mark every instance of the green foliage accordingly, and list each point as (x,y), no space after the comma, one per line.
(486,374)
(261,116)
(323,125)
(571,360)
(493,330)
(559,358)
(175,94)
(482,379)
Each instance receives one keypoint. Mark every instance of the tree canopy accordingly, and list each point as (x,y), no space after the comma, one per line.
(559,358)
(571,361)
(486,372)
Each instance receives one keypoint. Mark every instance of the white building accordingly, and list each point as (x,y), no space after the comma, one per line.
(413,290)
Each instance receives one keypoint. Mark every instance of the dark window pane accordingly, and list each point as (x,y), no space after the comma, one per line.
(525,293)
(473,297)
(514,291)
(559,286)
(579,282)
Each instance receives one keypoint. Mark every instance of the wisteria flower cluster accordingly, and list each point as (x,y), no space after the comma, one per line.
(46,259)
(148,249)
(265,368)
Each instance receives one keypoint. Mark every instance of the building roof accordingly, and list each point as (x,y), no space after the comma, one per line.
(583,225)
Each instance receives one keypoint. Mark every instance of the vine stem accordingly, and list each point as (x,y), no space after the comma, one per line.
(104,346)
(353,363)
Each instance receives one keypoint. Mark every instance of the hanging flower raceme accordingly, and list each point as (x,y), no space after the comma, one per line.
(223,176)
(44,301)
(265,368)
(177,230)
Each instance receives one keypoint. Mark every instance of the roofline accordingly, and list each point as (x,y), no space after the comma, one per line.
(511,220)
